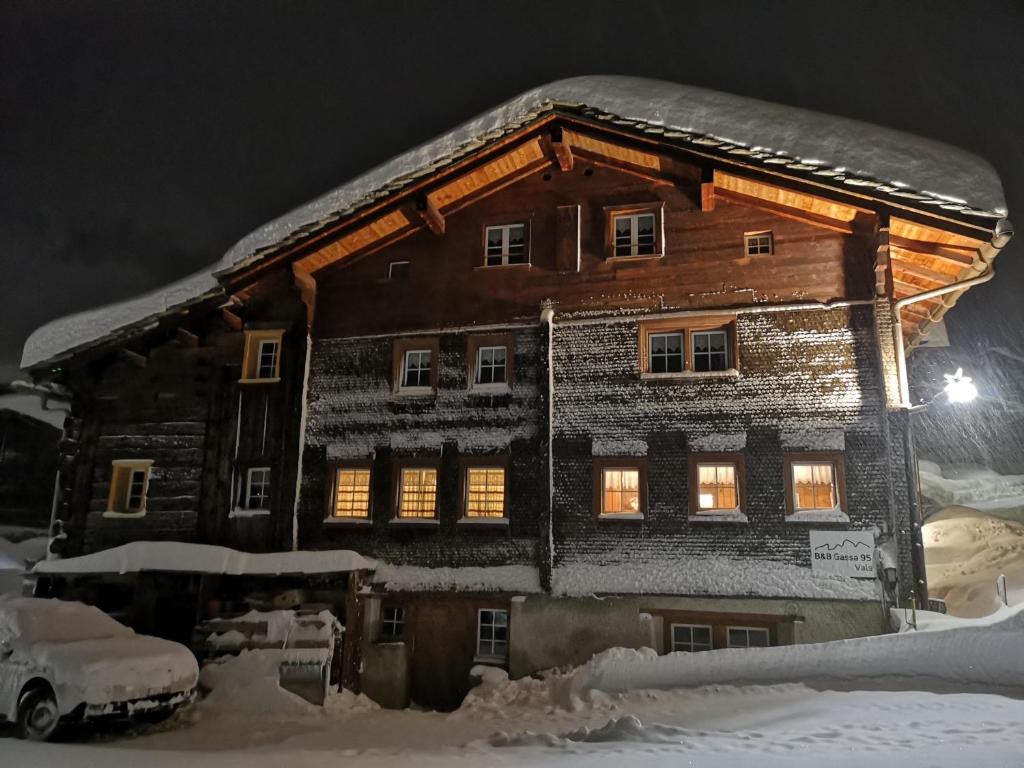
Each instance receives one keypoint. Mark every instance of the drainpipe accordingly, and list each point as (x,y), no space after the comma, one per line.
(547,317)
(986,271)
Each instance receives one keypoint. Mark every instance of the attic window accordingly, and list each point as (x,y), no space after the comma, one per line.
(262,359)
(635,231)
(505,244)
(129,483)
(398,270)
(759,243)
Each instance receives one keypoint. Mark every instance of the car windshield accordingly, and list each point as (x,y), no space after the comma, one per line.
(32,620)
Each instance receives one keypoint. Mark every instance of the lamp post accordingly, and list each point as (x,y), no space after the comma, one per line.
(958,389)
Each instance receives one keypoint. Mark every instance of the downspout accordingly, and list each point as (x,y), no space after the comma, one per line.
(547,317)
(304,414)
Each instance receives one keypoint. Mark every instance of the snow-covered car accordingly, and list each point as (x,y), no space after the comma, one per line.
(67,661)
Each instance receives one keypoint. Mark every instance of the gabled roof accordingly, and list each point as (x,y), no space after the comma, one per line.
(836,152)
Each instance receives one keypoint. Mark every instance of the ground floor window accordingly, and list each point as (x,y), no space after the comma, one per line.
(747,637)
(257,488)
(492,634)
(691,637)
(392,622)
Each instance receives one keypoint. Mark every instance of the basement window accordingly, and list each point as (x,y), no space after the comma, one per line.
(492,635)
(505,244)
(261,363)
(691,638)
(747,637)
(759,243)
(129,484)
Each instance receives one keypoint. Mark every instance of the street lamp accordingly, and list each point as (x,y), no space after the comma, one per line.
(959,388)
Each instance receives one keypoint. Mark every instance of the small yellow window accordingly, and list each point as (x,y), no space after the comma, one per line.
(814,486)
(262,360)
(417,493)
(129,483)
(621,491)
(717,490)
(352,493)
(485,492)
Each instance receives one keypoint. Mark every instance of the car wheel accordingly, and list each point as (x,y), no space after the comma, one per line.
(37,714)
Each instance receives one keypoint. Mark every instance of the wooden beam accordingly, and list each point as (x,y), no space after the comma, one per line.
(186,338)
(428,211)
(919,270)
(883,260)
(306,285)
(707,189)
(139,361)
(233,321)
(562,149)
(797,214)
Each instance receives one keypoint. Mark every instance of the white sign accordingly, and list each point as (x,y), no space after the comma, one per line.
(846,553)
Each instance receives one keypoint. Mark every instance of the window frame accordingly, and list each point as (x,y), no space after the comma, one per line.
(672,637)
(613,212)
(477,342)
(468,462)
(837,459)
(692,351)
(750,240)
(766,630)
(119,494)
(399,263)
(505,225)
(252,354)
(687,326)
(331,494)
(392,637)
(738,460)
(412,463)
(604,463)
(400,347)
(247,489)
(491,657)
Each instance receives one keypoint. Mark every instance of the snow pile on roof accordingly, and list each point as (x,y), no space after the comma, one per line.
(499,578)
(976,487)
(965,552)
(859,153)
(181,557)
(620,574)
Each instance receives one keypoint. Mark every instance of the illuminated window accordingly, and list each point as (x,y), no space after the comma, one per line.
(814,485)
(620,491)
(352,493)
(666,352)
(257,488)
(505,244)
(492,635)
(262,359)
(417,493)
(416,368)
(691,638)
(759,243)
(392,622)
(717,488)
(634,234)
(129,483)
(710,350)
(485,492)
(747,637)
(490,365)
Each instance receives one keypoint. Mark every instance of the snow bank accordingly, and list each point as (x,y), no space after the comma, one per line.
(499,578)
(975,487)
(180,557)
(835,149)
(622,729)
(964,656)
(705,576)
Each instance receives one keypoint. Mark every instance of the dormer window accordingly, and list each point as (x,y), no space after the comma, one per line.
(505,244)
(262,359)
(759,243)
(635,231)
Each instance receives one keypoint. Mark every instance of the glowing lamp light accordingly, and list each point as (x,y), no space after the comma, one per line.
(959,388)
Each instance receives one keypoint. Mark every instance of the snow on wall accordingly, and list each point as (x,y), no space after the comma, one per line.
(812,435)
(716,442)
(500,578)
(836,149)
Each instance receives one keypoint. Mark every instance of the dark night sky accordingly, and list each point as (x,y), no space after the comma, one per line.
(138,141)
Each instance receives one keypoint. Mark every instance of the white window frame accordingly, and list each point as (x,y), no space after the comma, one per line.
(759,243)
(391,268)
(836,501)
(396,622)
(479,367)
(761,630)
(505,255)
(691,627)
(682,351)
(403,386)
(141,506)
(275,346)
(249,487)
(693,349)
(491,657)
(634,232)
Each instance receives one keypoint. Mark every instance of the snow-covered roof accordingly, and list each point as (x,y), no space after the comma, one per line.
(836,150)
(182,557)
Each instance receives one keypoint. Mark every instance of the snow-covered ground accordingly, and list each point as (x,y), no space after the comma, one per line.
(576,717)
